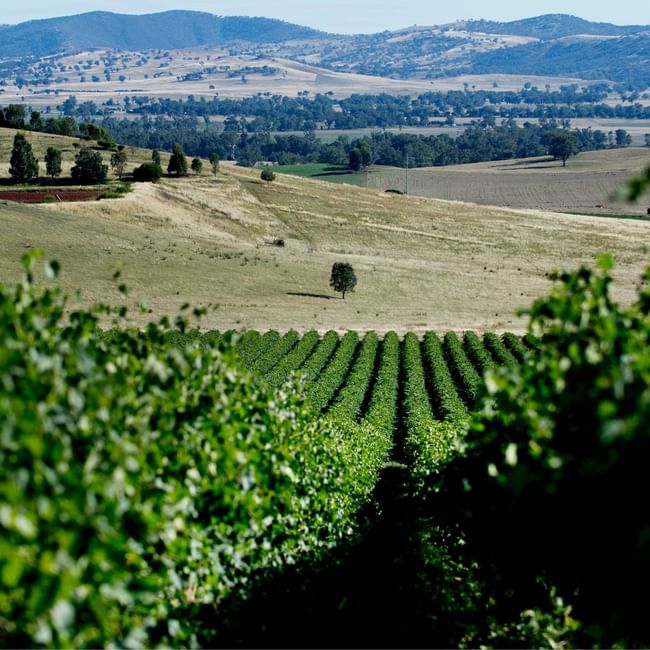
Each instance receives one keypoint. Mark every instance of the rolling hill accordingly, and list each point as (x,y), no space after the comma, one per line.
(166,30)
(554,44)
(421,263)
(550,27)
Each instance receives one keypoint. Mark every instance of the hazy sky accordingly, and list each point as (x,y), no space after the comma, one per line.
(345,16)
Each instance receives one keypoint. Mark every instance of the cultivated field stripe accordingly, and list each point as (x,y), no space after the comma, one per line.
(446,403)
(265,362)
(501,355)
(323,390)
(293,360)
(351,397)
(516,346)
(382,410)
(320,356)
(477,353)
(260,346)
(465,377)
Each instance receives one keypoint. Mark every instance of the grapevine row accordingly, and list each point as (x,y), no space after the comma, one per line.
(293,360)
(272,355)
(465,375)
(477,353)
(382,410)
(448,404)
(322,391)
(350,400)
(516,346)
(260,346)
(320,356)
(501,355)
(428,443)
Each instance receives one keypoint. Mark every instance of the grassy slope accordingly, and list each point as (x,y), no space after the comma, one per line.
(422,264)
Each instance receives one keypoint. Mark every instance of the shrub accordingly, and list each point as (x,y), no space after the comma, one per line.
(136,473)
(557,459)
(149,172)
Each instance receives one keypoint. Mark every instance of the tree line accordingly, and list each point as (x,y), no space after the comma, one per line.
(476,144)
(482,142)
(266,112)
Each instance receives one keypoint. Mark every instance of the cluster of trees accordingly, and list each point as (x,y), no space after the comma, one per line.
(268,112)
(89,167)
(15,116)
(475,144)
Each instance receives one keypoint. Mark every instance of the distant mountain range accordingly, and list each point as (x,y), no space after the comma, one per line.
(168,30)
(553,44)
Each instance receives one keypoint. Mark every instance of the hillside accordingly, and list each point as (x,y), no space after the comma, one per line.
(166,30)
(550,26)
(625,58)
(552,45)
(421,263)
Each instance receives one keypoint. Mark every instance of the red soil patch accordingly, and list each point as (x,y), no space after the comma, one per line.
(49,196)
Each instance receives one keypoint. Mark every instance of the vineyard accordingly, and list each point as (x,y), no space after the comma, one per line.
(176,487)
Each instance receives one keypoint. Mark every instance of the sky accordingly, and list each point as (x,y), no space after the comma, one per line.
(346,16)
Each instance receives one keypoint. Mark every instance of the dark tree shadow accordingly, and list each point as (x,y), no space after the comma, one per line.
(310,295)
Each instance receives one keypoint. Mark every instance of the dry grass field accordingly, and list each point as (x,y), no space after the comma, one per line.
(202,72)
(587,184)
(421,263)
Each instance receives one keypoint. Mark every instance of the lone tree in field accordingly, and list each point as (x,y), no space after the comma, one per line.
(267,175)
(561,145)
(155,157)
(214,163)
(119,160)
(177,162)
(24,166)
(343,278)
(53,162)
(89,167)
(197,165)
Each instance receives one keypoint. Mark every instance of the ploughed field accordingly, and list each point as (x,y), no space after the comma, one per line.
(587,185)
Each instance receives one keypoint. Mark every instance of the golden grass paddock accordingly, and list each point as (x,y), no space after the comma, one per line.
(421,263)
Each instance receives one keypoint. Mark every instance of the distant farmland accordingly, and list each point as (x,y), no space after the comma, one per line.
(587,184)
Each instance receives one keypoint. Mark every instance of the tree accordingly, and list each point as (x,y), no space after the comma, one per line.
(89,167)
(197,165)
(147,172)
(343,278)
(53,158)
(214,162)
(36,121)
(23,166)
(561,145)
(119,160)
(177,162)
(155,157)
(355,160)
(623,138)
(14,116)
(267,175)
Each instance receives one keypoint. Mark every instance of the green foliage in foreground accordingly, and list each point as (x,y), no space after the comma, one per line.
(140,476)
(555,475)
